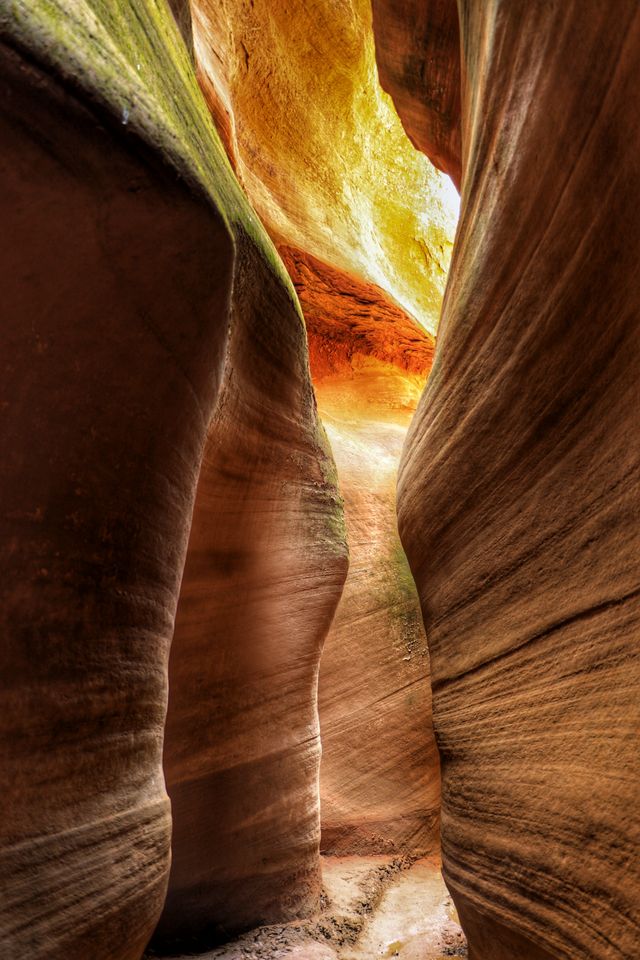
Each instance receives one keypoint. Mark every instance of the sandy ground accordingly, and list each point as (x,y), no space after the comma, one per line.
(373,907)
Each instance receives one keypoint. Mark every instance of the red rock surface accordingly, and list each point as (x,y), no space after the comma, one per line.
(380,786)
(265,569)
(349,320)
(418,56)
(519,489)
(322,154)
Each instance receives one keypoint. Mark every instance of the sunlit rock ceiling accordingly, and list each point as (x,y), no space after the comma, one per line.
(319,147)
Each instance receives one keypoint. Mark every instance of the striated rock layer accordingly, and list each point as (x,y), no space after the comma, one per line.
(265,569)
(102,428)
(121,358)
(519,489)
(350,321)
(322,154)
(380,777)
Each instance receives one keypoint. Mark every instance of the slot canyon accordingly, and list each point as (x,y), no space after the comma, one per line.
(320,480)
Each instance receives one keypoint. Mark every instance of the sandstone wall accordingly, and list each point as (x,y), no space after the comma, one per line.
(103,400)
(519,488)
(265,568)
(318,146)
(379,775)
(418,57)
(148,320)
(380,787)
(321,152)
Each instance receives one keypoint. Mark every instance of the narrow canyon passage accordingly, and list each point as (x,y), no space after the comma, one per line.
(366,238)
(215,523)
(379,776)
(319,566)
(379,782)
(373,908)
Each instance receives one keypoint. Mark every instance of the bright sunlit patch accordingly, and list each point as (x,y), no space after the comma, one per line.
(450,199)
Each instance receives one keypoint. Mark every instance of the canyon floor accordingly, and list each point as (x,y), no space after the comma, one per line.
(373,907)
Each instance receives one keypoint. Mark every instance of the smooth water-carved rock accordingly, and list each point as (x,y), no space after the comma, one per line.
(121,358)
(323,157)
(519,489)
(379,777)
(380,786)
(265,569)
(103,397)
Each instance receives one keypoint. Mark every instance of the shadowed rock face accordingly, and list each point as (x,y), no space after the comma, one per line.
(149,319)
(104,398)
(519,486)
(418,56)
(181,10)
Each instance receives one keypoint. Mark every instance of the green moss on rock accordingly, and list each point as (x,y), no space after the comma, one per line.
(129,56)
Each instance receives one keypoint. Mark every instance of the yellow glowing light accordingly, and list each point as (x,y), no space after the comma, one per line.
(319,147)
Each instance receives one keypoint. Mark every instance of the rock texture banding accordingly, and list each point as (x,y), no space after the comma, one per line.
(122,363)
(103,401)
(519,485)
(265,569)
(380,788)
(350,321)
(380,775)
(181,10)
(342,193)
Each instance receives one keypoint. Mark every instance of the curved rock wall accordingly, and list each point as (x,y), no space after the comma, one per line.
(103,401)
(350,322)
(121,358)
(323,156)
(265,569)
(519,488)
(380,777)
(380,787)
